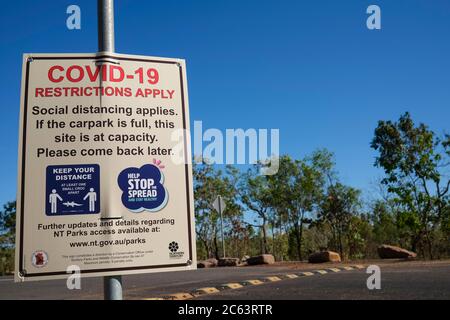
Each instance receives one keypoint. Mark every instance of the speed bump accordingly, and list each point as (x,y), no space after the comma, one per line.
(208,290)
(321,271)
(349,268)
(234,285)
(273,279)
(255,282)
(179,296)
(252,282)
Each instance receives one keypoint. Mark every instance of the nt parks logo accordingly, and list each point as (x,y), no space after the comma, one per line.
(174,252)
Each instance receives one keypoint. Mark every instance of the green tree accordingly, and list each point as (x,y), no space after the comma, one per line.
(309,187)
(257,197)
(7,237)
(295,193)
(8,225)
(383,219)
(208,184)
(416,163)
(340,205)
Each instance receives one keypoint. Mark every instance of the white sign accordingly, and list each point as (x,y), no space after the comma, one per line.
(101,185)
(219,204)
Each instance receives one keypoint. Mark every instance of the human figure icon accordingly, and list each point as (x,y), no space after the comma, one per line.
(53,199)
(92,196)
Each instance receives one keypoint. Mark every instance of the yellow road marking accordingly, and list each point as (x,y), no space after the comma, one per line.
(321,271)
(255,282)
(233,285)
(348,268)
(180,296)
(273,279)
(208,290)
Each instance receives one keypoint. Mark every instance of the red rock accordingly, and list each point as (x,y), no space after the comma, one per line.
(392,252)
(261,259)
(324,256)
(228,262)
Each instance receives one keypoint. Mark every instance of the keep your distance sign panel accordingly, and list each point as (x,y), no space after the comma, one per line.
(105,181)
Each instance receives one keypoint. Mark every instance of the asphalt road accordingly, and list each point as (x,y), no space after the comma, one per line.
(399,280)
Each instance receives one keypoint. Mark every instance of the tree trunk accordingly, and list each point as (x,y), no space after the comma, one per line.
(280,243)
(430,247)
(341,249)
(273,238)
(207,249)
(265,249)
(300,239)
(414,242)
(216,248)
(298,236)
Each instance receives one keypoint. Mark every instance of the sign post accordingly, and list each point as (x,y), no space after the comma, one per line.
(219,205)
(112,285)
(105,177)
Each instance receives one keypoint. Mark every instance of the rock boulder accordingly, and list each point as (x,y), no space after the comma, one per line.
(392,252)
(261,259)
(210,263)
(324,256)
(228,262)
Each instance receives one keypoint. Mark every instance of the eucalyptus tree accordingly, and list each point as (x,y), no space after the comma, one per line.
(416,163)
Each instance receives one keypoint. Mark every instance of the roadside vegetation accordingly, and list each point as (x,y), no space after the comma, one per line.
(306,208)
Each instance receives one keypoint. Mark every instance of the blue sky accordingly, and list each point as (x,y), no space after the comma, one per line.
(309,68)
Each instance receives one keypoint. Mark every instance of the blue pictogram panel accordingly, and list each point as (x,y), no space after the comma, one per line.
(72,189)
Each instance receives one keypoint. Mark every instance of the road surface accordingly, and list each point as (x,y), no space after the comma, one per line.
(399,280)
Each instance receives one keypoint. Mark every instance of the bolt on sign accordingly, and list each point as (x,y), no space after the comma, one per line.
(105,180)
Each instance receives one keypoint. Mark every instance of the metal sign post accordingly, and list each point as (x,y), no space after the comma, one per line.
(219,205)
(112,285)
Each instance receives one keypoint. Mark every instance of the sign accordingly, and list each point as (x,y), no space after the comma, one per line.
(105,180)
(219,204)
(72,189)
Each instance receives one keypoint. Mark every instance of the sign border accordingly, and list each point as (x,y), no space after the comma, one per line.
(30,57)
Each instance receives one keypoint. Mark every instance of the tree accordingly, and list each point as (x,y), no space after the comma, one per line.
(257,197)
(280,195)
(383,218)
(208,184)
(308,190)
(7,237)
(338,208)
(416,164)
(299,189)
(8,225)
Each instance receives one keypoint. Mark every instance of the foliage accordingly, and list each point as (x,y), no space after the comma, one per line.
(7,237)
(8,225)
(416,163)
(339,206)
